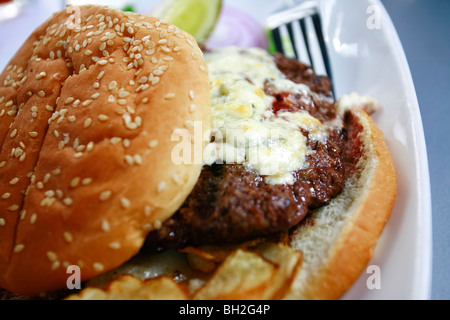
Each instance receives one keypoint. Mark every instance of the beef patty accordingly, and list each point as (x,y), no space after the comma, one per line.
(231,203)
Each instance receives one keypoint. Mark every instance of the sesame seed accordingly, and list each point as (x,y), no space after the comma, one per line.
(13,133)
(13,207)
(69,100)
(162,186)
(50,193)
(143,79)
(33,218)
(2,164)
(86,181)
(153,143)
(115,140)
(98,267)
(170,96)
(19,248)
(88,52)
(55,265)
(68,236)
(123,94)
(87,122)
(176,178)
(105,195)
(52,256)
(158,224)
(2,222)
(59,193)
(147,210)
(33,134)
(103,117)
(115,245)
(192,94)
(90,146)
(137,159)
(86,103)
(192,108)
(6,195)
(47,177)
(41,75)
(125,203)
(105,226)
(14,181)
(75,182)
(67,201)
(129,159)
(112,85)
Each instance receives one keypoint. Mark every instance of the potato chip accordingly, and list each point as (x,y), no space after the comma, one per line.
(127,287)
(289,262)
(201,264)
(244,275)
(219,253)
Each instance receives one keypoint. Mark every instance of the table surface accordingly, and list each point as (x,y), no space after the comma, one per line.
(423,27)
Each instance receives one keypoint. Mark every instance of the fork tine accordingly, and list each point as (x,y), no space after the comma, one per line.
(290,30)
(305,38)
(276,34)
(326,60)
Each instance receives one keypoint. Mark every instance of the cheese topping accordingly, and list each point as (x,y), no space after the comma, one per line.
(246,131)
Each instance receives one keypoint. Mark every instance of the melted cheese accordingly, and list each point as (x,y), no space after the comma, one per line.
(246,130)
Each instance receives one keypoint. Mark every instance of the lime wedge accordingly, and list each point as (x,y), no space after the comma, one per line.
(197,17)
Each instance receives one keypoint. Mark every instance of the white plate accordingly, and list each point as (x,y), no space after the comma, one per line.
(367,61)
(367,57)
(372,61)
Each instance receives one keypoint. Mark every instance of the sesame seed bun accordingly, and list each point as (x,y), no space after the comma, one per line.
(87,114)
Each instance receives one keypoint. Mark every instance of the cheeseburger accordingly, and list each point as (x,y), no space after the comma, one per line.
(101,125)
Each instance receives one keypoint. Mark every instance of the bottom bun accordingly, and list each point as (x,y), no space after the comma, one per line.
(340,242)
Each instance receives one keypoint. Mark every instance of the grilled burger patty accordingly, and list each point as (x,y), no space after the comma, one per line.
(232,203)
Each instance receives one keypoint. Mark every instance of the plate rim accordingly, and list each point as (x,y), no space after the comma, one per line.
(422,284)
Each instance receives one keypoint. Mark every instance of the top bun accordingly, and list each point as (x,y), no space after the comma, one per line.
(88,110)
